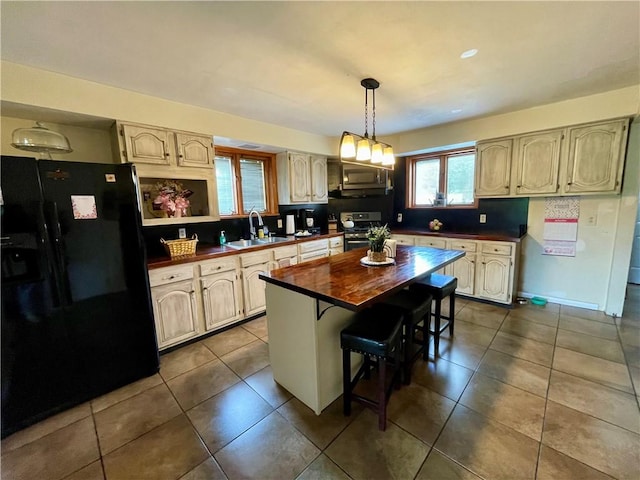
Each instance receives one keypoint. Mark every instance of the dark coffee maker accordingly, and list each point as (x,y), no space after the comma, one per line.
(306,221)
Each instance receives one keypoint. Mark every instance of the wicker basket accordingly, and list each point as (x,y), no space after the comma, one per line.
(181,247)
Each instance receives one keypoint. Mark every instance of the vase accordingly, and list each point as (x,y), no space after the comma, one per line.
(378,256)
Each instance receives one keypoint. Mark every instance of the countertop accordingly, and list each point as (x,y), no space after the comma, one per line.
(488,236)
(342,280)
(208,251)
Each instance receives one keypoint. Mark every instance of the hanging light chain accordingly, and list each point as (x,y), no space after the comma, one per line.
(373,111)
(366,113)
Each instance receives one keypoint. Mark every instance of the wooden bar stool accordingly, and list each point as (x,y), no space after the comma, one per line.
(417,317)
(439,287)
(376,333)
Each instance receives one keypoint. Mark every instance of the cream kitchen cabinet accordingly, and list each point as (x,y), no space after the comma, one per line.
(489,270)
(404,239)
(160,146)
(312,250)
(574,160)
(175,305)
(302,178)
(221,292)
(493,168)
(336,245)
(285,256)
(537,163)
(252,264)
(595,159)
(435,242)
(496,271)
(464,269)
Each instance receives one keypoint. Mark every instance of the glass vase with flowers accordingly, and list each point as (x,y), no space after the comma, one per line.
(377,236)
(173,198)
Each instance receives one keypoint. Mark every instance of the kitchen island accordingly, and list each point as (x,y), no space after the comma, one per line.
(309,304)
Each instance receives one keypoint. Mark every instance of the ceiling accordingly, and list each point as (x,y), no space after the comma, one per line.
(299,64)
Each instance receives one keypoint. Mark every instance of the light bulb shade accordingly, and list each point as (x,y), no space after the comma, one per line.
(388,158)
(376,153)
(347,146)
(364,150)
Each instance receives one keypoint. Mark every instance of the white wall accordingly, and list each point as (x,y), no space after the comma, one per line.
(88,144)
(30,86)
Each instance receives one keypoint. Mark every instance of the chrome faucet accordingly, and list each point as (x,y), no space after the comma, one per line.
(252,229)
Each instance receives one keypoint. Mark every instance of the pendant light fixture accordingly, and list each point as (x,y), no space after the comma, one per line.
(360,149)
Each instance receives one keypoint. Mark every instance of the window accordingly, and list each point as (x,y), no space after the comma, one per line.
(441,179)
(245,181)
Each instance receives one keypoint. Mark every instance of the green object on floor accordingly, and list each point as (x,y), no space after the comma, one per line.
(539,301)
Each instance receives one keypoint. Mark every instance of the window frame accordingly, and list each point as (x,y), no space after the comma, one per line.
(270,178)
(442,156)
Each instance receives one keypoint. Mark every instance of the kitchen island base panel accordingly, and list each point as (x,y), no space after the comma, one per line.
(304,346)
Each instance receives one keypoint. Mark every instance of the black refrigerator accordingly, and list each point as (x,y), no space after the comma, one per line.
(76,317)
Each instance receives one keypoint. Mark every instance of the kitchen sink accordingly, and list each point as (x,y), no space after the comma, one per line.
(272,240)
(240,244)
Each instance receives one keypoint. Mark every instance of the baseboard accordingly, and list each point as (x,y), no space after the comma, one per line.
(563,301)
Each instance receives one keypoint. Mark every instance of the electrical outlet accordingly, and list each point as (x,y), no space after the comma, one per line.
(483,218)
(399,218)
(592,220)
(279,224)
(182,233)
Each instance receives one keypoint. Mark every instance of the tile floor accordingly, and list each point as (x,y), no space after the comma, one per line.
(548,393)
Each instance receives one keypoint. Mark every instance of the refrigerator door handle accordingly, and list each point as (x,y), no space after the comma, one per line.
(59,257)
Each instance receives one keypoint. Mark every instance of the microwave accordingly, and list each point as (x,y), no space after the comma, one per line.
(355,177)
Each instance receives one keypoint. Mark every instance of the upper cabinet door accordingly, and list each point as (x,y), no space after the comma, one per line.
(194,150)
(147,145)
(319,188)
(299,179)
(537,163)
(595,162)
(493,168)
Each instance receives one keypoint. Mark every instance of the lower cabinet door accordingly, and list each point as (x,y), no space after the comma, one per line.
(464,269)
(253,287)
(493,278)
(222,299)
(175,312)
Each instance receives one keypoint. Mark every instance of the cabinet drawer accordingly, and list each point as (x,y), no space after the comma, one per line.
(465,245)
(497,248)
(403,239)
(336,242)
(430,242)
(312,246)
(284,252)
(217,266)
(250,259)
(162,276)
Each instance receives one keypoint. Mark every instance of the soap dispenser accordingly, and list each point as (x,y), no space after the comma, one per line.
(223,239)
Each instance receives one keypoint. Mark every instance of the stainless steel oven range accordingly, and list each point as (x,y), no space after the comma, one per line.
(356,235)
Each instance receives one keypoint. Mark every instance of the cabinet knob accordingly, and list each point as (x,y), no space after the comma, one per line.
(167,154)
(569,183)
(180,155)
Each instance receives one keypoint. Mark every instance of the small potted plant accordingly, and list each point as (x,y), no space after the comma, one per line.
(377,237)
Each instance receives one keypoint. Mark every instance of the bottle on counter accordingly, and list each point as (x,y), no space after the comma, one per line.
(223,238)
